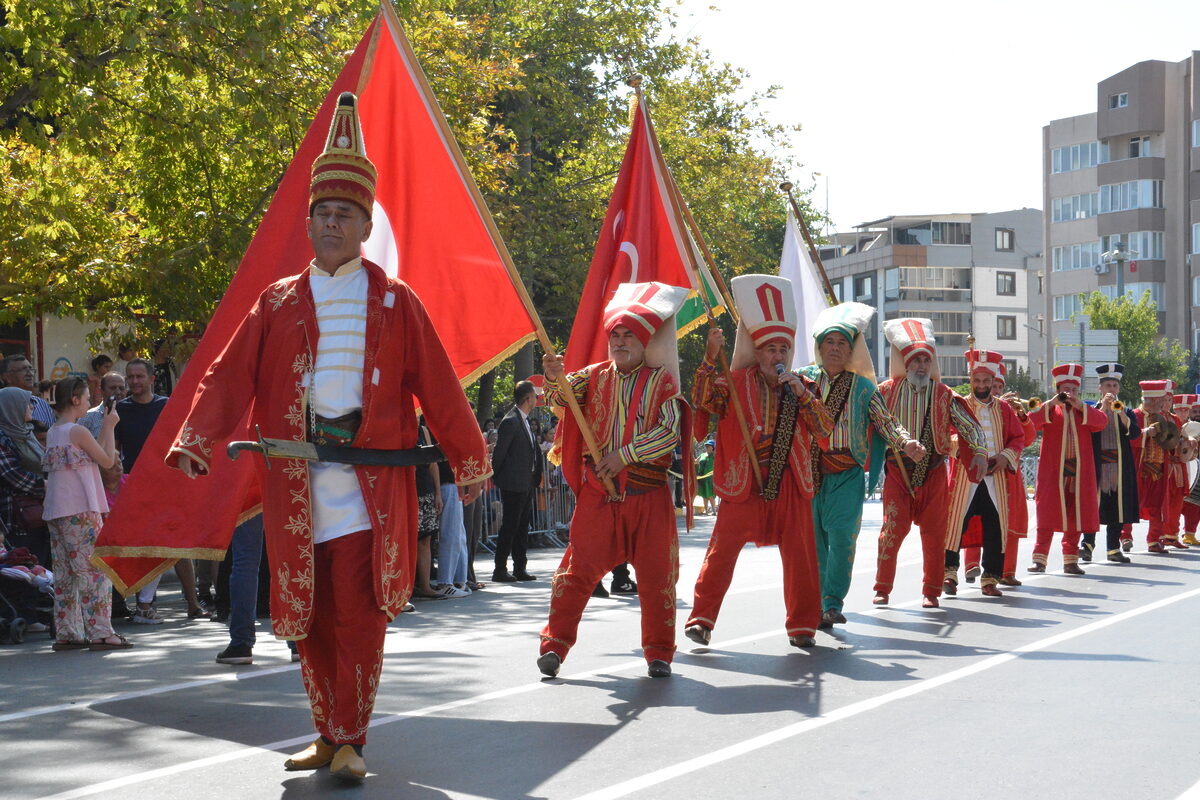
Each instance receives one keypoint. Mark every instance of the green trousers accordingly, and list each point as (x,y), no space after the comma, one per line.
(837,516)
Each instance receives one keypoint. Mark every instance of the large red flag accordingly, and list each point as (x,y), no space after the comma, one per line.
(644,238)
(432,229)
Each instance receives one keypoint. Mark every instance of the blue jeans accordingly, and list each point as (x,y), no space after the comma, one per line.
(247,548)
(452,541)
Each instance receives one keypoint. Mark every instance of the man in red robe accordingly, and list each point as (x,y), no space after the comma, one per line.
(1066,498)
(1162,475)
(337,355)
(988,501)
(783,416)
(917,491)
(632,404)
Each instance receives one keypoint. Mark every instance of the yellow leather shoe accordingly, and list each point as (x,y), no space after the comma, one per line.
(315,756)
(1190,539)
(348,765)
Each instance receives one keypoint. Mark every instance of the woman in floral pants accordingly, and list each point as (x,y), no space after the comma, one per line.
(72,508)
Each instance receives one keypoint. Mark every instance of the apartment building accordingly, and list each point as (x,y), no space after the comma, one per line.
(1127,176)
(968,273)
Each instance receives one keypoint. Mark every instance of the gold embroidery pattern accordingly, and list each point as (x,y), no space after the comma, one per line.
(471,471)
(396,590)
(283,582)
(188,437)
(668,591)
(738,473)
(559,582)
(296,469)
(887,534)
(303,363)
(282,292)
(316,698)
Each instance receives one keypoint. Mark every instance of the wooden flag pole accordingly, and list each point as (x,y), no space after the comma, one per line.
(684,217)
(802,224)
(485,215)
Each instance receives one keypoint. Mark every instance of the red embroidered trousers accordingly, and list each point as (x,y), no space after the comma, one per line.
(1164,518)
(342,655)
(1191,517)
(900,510)
(788,518)
(639,529)
(1070,546)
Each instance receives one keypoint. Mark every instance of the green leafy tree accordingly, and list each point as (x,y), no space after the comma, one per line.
(1145,354)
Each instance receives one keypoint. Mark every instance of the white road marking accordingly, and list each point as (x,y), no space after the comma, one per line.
(796,729)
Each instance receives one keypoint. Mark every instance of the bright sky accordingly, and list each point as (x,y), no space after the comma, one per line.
(933,106)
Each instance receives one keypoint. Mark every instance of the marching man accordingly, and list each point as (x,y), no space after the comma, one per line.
(1066,485)
(633,405)
(784,417)
(916,490)
(1162,477)
(1191,503)
(1116,470)
(337,355)
(988,500)
(845,378)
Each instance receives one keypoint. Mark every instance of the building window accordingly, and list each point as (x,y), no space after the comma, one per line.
(1004,239)
(1010,365)
(1006,327)
(951,233)
(864,288)
(1118,100)
(1196,292)
(1134,292)
(1196,133)
(1196,237)
(1139,147)
(1006,284)
(1130,195)
(891,283)
(837,289)
(1078,156)
(1065,305)
(1138,245)
(1077,206)
(1075,256)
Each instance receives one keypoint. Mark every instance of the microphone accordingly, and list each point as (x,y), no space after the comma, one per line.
(779,370)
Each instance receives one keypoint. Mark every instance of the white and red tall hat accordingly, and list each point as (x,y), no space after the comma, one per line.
(988,361)
(768,313)
(909,337)
(649,309)
(1186,401)
(1070,372)
(1151,389)
(1001,379)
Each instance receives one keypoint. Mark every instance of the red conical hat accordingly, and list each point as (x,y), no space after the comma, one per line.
(343,171)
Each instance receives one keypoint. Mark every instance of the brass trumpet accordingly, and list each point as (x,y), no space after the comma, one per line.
(1033,403)
(1117,405)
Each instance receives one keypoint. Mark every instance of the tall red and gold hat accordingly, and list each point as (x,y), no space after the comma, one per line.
(988,361)
(1163,388)
(648,310)
(1070,372)
(909,337)
(1001,378)
(343,171)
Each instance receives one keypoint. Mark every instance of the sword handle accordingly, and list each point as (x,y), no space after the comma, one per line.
(234,448)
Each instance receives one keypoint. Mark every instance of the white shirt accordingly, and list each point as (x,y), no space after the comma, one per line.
(991,440)
(336,389)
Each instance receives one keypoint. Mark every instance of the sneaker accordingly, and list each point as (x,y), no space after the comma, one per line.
(408,608)
(146,616)
(37,627)
(295,656)
(235,654)
(625,586)
(452,592)
(600,591)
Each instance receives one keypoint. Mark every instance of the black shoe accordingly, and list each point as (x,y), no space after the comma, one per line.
(1117,557)
(503,577)
(1126,545)
(802,641)
(600,591)
(659,669)
(220,615)
(698,634)
(1085,551)
(524,576)
(235,654)
(548,664)
(624,586)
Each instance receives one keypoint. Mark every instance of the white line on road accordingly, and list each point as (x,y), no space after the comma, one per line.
(787,732)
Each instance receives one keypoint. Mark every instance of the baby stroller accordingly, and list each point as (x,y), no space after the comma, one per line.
(26,595)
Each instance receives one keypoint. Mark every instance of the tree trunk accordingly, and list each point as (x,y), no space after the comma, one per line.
(487,397)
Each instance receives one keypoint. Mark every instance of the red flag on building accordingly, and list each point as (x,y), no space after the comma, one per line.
(432,229)
(644,238)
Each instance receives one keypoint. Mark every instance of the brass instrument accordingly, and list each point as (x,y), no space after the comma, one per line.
(1033,403)
(1117,405)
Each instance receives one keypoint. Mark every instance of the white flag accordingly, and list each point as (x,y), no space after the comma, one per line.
(796,265)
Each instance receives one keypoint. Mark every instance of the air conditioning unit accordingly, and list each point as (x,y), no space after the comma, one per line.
(1101,269)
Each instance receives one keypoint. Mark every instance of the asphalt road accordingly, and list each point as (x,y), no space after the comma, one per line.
(1072,687)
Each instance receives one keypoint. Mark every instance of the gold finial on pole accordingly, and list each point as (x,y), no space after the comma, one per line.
(634,80)
(786,186)
(971,340)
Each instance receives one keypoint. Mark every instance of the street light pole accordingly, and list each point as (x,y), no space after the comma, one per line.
(1118,255)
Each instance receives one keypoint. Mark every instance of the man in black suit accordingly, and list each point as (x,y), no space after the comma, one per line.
(517,464)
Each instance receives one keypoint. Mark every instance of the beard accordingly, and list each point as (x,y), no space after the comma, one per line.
(982,397)
(917,380)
